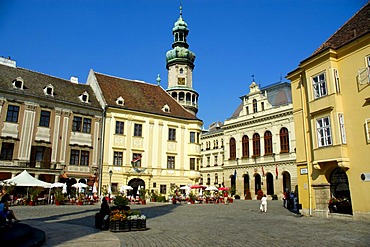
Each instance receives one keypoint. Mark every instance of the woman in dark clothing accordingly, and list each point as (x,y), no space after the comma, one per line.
(104,208)
(102,218)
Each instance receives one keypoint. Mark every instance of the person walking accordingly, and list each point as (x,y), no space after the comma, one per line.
(263,206)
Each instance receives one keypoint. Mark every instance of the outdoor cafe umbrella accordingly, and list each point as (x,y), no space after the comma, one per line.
(94,190)
(125,187)
(197,186)
(223,188)
(57,185)
(79,186)
(64,190)
(213,188)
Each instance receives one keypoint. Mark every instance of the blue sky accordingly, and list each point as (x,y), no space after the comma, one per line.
(232,40)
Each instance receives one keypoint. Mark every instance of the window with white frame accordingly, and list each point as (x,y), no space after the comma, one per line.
(138,129)
(319,85)
(341,127)
(192,137)
(81,124)
(323,132)
(44,118)
(336,80)
(171,162)
(171,134)
(79,157)
(117,158)
(119,127)
(367,126)
(192,163)
(364,73)
(12,114)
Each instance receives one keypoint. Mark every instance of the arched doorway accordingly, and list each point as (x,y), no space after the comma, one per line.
(270,184)
(287,186)
(233,185)
(257,183)
(339,189)
(137,184)
(246,183)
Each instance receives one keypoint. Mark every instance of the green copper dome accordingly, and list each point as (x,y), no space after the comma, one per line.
(180,52)
(180,24)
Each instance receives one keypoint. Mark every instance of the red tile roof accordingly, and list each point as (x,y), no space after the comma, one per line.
(140,96)
(354,28)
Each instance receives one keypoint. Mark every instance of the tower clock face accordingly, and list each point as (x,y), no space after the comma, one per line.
(181,81)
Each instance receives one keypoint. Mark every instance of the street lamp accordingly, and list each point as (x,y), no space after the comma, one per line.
(110,183)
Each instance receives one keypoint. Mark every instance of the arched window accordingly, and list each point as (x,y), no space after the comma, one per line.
(268,142)
(256,145)
(245,146)
(284,140)
(232,149)
(254,106)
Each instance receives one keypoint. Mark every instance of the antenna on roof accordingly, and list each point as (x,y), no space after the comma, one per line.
(281,78)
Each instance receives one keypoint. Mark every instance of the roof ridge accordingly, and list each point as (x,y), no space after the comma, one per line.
(33,71)
(121,78)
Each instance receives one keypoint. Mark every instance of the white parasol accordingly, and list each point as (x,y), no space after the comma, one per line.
(57,185)
(64,190)
(212,188)
(79,186)
(94,190)
(123,188)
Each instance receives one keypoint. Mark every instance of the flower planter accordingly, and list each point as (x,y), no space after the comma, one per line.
(120,226)
(127,225)
(138,224)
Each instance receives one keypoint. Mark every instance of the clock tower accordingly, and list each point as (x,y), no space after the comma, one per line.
(180,65)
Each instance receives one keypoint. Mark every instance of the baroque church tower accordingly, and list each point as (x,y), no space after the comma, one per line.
(180,65)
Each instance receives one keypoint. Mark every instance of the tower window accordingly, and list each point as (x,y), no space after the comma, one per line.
(181,70)
(254,106)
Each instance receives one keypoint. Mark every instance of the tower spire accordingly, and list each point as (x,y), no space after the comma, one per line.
(180,65)
(181,9)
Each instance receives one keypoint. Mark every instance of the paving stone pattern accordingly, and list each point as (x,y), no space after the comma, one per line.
(237,224)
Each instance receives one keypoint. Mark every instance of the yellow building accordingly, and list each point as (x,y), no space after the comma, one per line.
(331,98)
(151,135)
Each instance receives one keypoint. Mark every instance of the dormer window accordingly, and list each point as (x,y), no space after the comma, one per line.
(49,90)
(166,108)
(120,101)
(84,97)
(18,83)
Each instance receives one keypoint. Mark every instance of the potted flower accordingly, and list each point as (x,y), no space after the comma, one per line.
(58,197)
(80,200)
(33,192)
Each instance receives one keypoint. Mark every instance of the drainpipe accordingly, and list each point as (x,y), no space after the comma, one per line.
(102,130)
(306,130)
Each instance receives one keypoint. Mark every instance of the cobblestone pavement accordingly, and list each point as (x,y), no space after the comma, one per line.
(237,224)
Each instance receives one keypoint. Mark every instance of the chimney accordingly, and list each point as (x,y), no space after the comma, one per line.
(74,79)
(7,61)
